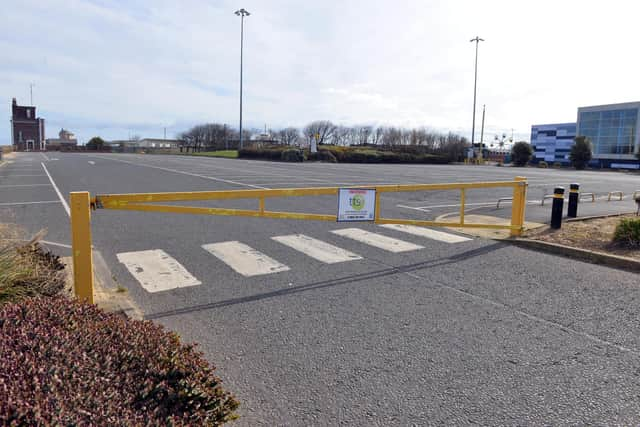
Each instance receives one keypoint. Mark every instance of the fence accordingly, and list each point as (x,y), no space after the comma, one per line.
(82,203)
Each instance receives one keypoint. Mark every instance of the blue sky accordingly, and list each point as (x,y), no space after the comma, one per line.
(117,68)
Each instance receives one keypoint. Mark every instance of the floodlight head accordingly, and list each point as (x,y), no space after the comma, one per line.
(242,12)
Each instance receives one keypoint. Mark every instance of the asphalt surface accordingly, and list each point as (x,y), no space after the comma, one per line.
(475,332)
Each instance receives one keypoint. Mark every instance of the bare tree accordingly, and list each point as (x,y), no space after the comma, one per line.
(289,136)
(321,130)
(377,136)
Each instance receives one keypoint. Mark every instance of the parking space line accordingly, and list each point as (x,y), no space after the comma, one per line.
(377,240)
(55,187)
(188,173)
(24,185)
(29,203)
(244,259)
(317,249)
(427,232)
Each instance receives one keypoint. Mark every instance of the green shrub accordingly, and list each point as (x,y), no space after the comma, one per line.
(521,153)
(261,153)
(70,363)
(292,155)
(543,164)
(557,164)
(627,232)
(326,156)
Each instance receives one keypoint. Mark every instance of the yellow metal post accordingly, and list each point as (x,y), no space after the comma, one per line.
(462,191)
(517,208)
(376,209)
(81,246)
(261,204)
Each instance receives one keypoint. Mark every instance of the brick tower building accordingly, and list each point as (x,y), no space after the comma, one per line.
(27,130)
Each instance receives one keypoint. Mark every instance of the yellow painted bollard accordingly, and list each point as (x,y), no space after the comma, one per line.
(518,205)
(81,246)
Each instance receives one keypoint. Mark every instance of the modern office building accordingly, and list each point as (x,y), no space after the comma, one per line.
(551,143)
(612,130)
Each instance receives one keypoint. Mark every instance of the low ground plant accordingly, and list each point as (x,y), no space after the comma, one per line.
(627,232)
(70,363)
(26,269)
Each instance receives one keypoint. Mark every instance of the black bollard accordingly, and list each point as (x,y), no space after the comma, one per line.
(574,197)
(556,208)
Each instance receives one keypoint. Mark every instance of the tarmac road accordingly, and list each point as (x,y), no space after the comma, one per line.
(404,329)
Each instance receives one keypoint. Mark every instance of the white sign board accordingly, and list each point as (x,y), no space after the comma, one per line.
(355,204)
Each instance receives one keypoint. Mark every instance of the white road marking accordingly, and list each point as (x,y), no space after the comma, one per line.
(189,174)
(24,185)
(44,155)
(11,176)
(244,259)
(29,203)
(457,205)
(322,251)
(55,187)
(157,271)
(62,245)
(377,240)
(91,162)
(427,232)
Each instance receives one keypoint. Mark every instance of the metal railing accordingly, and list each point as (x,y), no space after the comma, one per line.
(612,193)
(82,203)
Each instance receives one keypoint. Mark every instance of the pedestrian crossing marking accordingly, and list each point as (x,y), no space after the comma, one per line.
(244,259)
(427,232)
(317,249)
(377,240)
(156,270)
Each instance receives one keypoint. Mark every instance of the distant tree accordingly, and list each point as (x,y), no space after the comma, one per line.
(521,153)
(321,130)
(580,154)
(289,136)
(95,143)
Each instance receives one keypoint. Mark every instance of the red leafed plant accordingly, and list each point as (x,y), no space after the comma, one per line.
(67,363)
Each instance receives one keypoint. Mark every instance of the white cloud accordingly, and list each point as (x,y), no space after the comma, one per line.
(110,67)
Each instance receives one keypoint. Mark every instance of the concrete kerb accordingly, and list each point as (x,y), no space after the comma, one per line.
(594,257)
(587,255)
(107,294)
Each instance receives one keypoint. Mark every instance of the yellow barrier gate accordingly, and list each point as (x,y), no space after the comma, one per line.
(82,203)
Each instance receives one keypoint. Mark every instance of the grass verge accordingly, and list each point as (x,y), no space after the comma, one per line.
(227,154)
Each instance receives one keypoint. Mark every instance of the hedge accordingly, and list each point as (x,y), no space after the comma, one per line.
(70,363)
(342,155)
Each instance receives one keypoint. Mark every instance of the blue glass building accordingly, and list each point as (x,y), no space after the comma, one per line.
(613,132)
(551,143)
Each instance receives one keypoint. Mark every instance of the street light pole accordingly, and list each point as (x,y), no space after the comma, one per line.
(475,83)
(241,13)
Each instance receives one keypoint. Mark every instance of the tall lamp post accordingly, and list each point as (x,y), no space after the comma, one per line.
(241,13)
(475,82)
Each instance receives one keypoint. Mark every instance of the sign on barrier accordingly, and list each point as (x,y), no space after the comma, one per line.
(356,204)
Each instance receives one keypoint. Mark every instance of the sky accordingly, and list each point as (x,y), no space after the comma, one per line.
(131,67)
